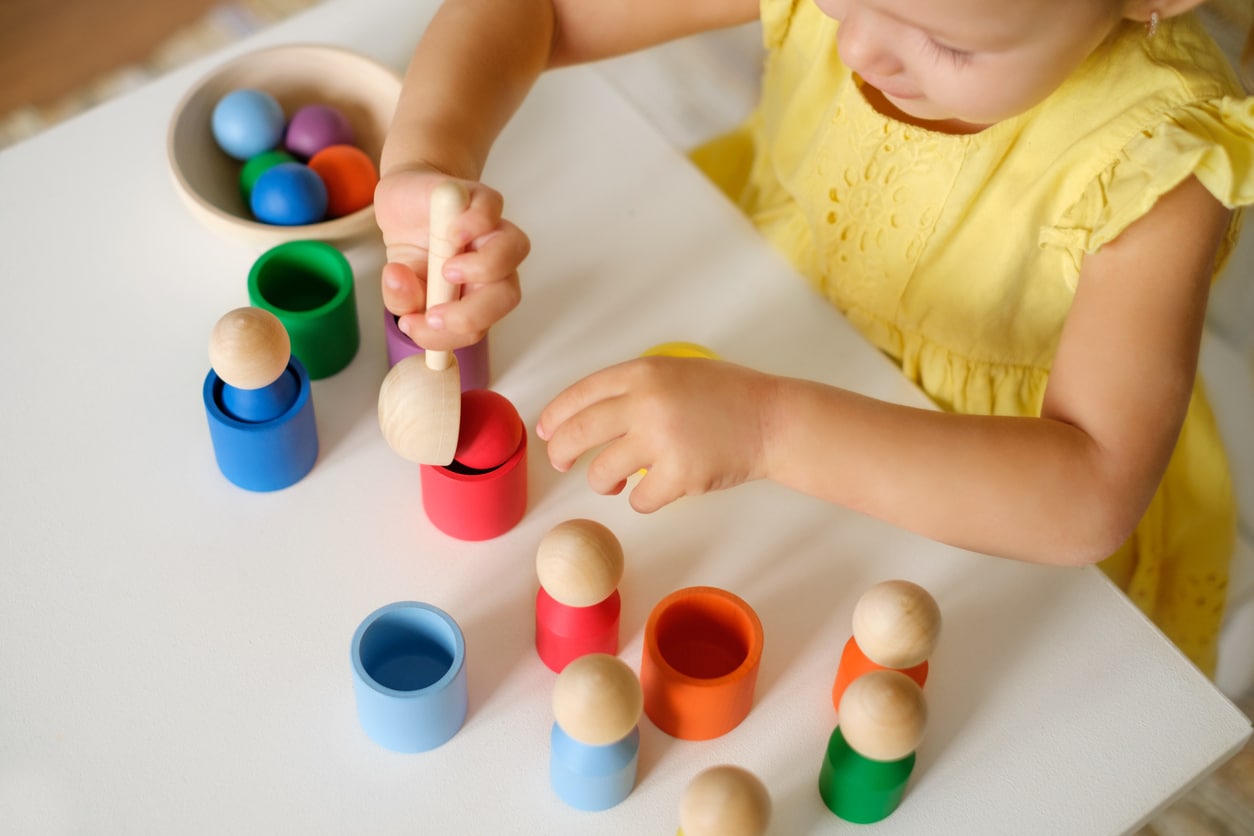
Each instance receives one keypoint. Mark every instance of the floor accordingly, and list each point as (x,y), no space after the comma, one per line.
(55,63)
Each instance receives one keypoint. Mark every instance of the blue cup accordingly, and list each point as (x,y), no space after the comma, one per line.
(265,439)
(409,676)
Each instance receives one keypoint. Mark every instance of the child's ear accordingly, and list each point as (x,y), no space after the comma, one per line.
(1143,10)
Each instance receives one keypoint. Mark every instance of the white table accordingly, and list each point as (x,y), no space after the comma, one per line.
(174,651)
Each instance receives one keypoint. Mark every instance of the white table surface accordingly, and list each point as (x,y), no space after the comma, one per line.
(174,650)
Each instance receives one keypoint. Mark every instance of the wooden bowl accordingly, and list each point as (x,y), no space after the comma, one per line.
(296,75)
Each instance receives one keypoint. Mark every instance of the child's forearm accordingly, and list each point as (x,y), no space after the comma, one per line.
(470,72)
(1033,489)
(479,58)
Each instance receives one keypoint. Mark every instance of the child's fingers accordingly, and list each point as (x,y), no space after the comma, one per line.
(407,253)
(609,470)
(464,321)
(403,220)
(602,421)
(403,291)
(654,492)
(480,217)
(417,326)
(489,257)
(576,397)
(479,308)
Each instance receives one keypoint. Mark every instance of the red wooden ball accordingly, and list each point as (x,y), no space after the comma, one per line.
(490,430)
(350,178)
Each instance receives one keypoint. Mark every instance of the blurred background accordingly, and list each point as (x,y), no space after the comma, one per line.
(58,57)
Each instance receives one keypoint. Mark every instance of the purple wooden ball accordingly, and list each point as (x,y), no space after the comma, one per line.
(314,127)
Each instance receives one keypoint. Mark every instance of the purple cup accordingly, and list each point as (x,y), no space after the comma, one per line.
(472,361)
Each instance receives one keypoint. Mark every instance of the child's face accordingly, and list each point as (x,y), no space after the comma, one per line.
(974,62)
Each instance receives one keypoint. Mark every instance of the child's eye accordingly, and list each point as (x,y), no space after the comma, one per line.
(939,51)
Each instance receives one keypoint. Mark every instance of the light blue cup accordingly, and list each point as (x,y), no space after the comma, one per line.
(409,676)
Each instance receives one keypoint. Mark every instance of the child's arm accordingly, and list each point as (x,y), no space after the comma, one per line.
(471,70)
(1065,488)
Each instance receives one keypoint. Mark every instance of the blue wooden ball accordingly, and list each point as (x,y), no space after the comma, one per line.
(247,122)
(289,194)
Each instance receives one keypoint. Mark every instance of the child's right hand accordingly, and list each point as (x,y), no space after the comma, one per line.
(486,269)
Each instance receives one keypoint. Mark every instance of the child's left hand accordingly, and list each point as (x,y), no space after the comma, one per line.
(695,425)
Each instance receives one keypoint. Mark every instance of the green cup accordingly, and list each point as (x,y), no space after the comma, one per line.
(308,285)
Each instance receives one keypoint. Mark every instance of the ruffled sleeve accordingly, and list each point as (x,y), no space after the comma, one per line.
(1212,140)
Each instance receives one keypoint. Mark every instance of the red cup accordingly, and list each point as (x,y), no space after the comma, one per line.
(476,505)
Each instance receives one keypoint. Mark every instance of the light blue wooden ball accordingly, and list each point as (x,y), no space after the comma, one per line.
(247,122)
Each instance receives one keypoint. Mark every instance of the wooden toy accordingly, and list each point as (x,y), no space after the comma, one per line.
(871,753)
(473,361)
(249,348)
(483,493)
(361,88)
(349,175)
(309,286)
(578,606)
(896,625)
(699,665)
(288,194)
(257,400)
(420,399)
(680,349)
(246,122)
(595,740)
(724,801)
(314,127)
(258,165)
(489,431)
(409,676)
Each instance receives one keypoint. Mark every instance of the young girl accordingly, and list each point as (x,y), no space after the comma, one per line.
(1023,202)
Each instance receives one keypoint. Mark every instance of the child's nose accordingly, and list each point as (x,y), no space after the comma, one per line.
(866,42)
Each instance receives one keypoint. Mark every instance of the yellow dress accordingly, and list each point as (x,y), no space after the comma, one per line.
(958,256)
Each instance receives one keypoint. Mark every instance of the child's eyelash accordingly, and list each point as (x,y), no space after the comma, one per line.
(957,57)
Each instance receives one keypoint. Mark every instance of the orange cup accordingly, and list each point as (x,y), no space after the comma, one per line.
(854,663)
(702,651)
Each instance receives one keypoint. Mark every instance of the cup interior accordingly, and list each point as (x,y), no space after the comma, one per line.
(707,636)
(409,649)
(300,277)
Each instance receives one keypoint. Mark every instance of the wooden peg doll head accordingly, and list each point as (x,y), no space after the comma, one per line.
(896,624)
(883,715)
(725,801)
(579,563)
(597,699)
(249,348)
